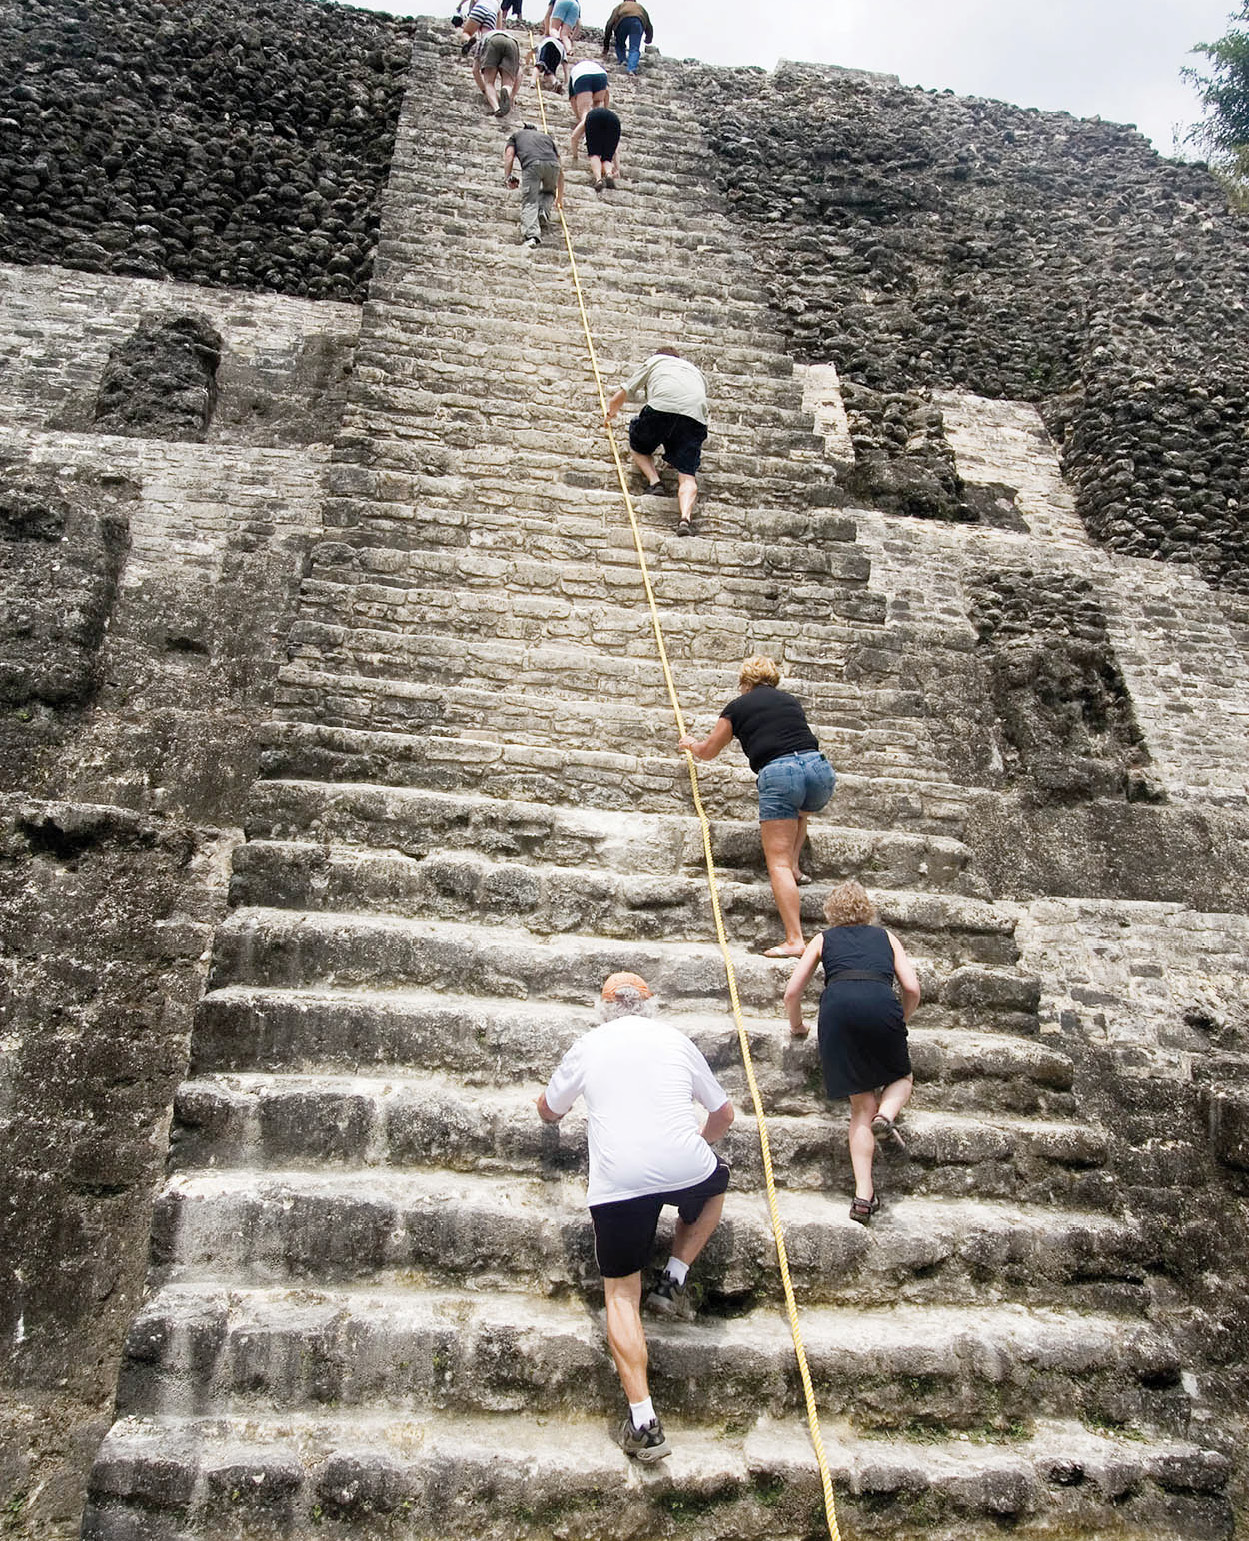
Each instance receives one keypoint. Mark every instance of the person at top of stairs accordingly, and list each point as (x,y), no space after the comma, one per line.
(629,22)
(639,1079)
(587,87)
(513,6)
(496,69)
(563,19)
(483,16)
(541,179)
(674,419)
(863,1048)
(793,779)
(602,145)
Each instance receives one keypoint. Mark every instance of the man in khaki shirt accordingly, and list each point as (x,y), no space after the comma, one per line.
(674,419)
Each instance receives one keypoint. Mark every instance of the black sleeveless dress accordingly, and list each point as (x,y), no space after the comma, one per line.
(862,1034)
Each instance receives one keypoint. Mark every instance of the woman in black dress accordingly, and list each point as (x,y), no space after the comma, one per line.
(862,1026)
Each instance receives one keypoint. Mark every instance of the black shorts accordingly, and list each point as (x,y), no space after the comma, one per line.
(602,133)
(624,1232)
(587,84)
(682,438)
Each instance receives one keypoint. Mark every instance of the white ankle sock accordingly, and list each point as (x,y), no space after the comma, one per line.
(677,1269)
(642,1413)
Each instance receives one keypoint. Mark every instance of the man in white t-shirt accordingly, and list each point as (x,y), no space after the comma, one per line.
(639,1079)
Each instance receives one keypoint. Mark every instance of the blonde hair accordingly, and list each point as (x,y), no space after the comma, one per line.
(849,905)
(758,670)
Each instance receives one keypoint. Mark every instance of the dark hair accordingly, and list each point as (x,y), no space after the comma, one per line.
(668,352)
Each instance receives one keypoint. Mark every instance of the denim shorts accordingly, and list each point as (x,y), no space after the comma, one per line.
(794,784)
(568,12)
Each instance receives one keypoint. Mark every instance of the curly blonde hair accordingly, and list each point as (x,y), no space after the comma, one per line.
(758,670)
(849,905)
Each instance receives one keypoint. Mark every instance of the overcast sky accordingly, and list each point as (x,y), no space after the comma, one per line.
(1117,59)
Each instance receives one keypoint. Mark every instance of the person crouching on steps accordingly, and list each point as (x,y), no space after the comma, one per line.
(639,1079)
(793,780)
(496,69)
(541,179)
(602,145)
(674,419)
(862,1026)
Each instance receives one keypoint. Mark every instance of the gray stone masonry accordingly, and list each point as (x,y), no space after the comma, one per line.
(372,1277)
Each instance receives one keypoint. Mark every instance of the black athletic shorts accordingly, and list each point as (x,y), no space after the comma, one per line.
(624,1232)
(682,438)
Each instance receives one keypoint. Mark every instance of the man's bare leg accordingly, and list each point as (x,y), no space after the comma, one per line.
(486,86)
(646,464)
(625,1337)
(689,1240)
(687,492)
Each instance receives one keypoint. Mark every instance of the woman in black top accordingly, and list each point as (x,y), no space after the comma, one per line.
(862,1029)
(793,777)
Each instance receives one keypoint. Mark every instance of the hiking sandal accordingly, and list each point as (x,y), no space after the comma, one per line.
(883,1128)
(862,1210)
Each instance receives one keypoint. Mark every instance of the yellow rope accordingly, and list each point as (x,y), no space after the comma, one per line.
(791,1307)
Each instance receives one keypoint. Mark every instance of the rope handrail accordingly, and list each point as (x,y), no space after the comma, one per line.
(778,1233)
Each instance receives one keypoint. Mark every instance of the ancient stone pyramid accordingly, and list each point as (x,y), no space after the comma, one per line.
(372,1307)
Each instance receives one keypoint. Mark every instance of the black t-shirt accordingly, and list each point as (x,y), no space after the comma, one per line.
(769,723)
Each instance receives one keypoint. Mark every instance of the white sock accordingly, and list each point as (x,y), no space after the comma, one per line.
(642,1413)
(677,1269)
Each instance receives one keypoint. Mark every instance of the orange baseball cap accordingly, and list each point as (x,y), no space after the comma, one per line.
(616,982)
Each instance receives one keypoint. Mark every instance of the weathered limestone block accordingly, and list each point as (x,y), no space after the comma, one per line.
(62,543)
(161,383)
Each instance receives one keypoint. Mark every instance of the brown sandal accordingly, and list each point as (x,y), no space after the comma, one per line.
(885,1128)
(862,1210)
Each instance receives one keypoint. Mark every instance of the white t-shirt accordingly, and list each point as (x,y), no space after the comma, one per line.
(583,70)
(639,1078)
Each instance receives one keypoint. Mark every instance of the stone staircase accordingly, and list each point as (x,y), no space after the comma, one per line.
(373,1304)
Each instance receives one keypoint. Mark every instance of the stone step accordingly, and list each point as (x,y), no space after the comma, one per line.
(592,558)
(738,499)
(763,365)
(529,705)
(730,372)
(255,1352)
(407,602)
(430,305)
(486,1231)
(600,780)
(574,679)
(470,887)
(418,824)
(483,1476)
(410,1121)
(335,1031)
(769,428)
(966,970)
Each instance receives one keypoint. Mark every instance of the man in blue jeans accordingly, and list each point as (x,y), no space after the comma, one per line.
(630,23)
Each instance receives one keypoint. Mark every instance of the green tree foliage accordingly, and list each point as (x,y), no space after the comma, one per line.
(1224,93)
